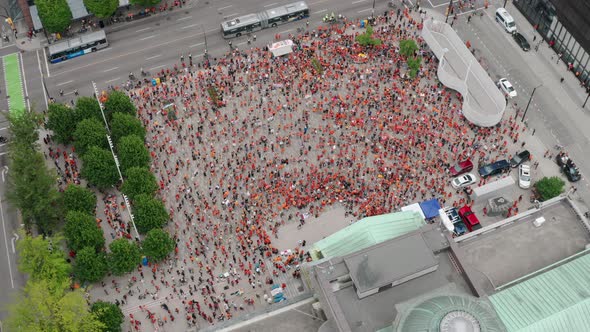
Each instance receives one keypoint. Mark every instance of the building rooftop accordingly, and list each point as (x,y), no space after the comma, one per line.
(373,268)
(557,300)
(367,232)
(519,248)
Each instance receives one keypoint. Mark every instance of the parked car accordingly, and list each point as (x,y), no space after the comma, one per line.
(568,167)
(520,158)
(469,218)
(521,41)
(494,168)
(463,181)
(524,176)
(507,88)
(461,167)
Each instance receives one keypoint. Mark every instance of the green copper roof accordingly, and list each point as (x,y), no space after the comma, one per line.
(367,232)
(447,312)
(557,300)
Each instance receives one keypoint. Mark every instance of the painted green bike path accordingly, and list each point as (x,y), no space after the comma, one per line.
(14,84)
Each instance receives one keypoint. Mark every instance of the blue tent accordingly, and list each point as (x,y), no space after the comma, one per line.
(430,208)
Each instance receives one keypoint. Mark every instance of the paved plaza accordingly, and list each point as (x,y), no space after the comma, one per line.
(292,155)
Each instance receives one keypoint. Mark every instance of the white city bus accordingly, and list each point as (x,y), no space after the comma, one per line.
(268,18)
(80,45)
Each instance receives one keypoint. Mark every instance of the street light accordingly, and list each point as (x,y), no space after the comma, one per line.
(587,96)
(530,99)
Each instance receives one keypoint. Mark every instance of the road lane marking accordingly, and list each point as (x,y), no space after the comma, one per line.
(153,57)
(184,18)
(320,11)
(42,80)
(364,10)
(12,241)
(46,65)
(25,82)
(358,1)
(226,7)
(110,69)
(64,83)
(114,79)
(189,26)
(149,37)
(270,4)
(6,242)
(283,32)
(315,3)
(150,46)
(156,67)
(4,128)
(144,29)
(196,44)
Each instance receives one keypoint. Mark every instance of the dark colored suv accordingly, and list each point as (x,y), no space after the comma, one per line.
(520,158)
(494,168)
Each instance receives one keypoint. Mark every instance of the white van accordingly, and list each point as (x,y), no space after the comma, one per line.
(505,20)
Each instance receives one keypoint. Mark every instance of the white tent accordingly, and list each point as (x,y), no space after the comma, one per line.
(281,48)
(414,207)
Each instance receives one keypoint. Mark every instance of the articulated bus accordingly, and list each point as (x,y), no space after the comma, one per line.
(77,46)
(266,19)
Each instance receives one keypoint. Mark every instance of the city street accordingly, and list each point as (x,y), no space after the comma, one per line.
(156,43)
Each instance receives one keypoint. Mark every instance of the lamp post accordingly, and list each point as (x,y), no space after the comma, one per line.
(205,55)
(530,99)
(449,10)
(505,2)
(587,96)
(373,10)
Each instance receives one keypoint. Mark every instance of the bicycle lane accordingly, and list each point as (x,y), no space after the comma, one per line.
(13,83)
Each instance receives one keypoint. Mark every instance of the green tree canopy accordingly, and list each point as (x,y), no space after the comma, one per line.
(82,231)
(132,153)
(87,107)
(124,124)
(149,213)
(98,167)
(42,309)
(157,244)
(145,3)
(42,259)
(90,132)
(118,102)
(90,266)
(124,256)
(414,66)
(109,314)
(62,121)
(77,198)
(139,181)
(366,39)
(549,187)
(407,47)
(32,189)
(32,185)
(54,14)
(102,8)
(24,128)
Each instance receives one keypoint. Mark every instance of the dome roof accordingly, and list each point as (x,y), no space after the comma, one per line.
(451,313)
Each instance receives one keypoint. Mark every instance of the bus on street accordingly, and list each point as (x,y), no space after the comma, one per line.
(269,18)
(77,46)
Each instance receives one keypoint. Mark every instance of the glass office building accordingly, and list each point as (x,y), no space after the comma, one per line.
(564,24)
